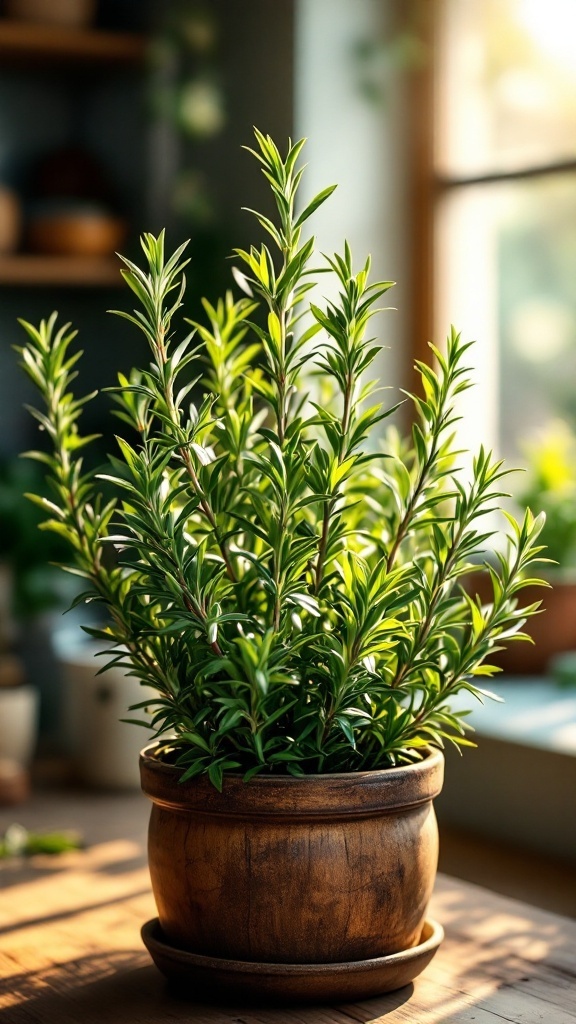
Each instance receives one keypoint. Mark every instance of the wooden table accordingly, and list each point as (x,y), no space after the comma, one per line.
(70,950)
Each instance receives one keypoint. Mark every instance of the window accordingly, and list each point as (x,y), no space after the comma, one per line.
(505,208)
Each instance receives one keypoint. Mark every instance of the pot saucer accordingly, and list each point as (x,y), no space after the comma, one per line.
(304,983)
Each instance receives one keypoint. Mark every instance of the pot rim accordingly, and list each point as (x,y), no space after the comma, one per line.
(359,794)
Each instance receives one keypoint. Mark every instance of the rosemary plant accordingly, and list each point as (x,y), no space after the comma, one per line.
(290,587)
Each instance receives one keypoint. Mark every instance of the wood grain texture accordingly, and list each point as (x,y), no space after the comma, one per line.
(70,950)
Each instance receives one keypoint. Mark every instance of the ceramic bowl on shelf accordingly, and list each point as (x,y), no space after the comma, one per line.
(76,232)
(65,13)
(10,220)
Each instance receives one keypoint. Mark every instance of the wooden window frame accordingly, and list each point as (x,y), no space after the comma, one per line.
(428,185)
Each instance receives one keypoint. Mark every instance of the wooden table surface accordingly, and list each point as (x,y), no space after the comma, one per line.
(70,949)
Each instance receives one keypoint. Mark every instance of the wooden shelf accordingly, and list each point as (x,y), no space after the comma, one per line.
(27,45)
(65,271)
(20,41)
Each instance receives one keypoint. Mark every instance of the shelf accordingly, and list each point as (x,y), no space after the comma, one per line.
(20,41)
(67,271)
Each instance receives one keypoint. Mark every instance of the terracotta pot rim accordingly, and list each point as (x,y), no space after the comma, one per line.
(361,794)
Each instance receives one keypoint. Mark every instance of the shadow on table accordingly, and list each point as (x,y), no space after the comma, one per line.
(122,987)
(499,958)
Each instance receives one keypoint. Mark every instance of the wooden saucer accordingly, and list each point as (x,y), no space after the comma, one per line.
(296,983)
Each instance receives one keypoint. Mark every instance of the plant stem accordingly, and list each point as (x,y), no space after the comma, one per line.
(276,615)
(404,525)
(167,385)
(426,623)
(281,381)
(330,505)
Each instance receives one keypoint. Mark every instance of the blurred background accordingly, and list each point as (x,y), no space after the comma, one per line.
(450,126)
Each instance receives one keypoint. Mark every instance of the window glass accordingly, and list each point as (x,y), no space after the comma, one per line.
(507,84)
(508,258)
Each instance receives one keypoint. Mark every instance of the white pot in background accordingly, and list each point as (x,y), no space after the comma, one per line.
(105,749)
(18,723)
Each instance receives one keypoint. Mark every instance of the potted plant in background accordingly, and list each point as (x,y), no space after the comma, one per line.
(291,593)
(550,487)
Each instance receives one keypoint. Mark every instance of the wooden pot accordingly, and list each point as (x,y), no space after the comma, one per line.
(321,869)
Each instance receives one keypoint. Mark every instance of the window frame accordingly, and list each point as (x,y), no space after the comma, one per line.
(429,185)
